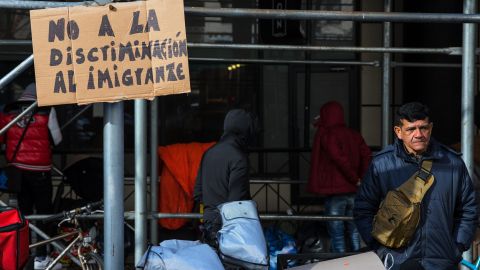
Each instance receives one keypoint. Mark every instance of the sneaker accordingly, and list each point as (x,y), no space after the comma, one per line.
(41,263)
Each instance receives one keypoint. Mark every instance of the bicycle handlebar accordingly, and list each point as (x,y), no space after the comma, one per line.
(72,213)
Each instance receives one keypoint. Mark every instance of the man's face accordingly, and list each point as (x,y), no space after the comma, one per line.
(415,135)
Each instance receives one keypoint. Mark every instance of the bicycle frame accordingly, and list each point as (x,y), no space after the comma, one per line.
(55,261)
(80,240)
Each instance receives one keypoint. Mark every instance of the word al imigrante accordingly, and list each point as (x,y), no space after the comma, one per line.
(166,50)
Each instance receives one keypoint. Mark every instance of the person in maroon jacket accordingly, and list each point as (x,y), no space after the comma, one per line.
(340,158)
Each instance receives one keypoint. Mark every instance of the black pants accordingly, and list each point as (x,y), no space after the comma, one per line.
(35,197)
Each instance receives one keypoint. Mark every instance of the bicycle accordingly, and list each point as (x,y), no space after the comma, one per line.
(88,256)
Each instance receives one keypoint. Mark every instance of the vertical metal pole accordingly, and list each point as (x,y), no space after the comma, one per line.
(308,83)
(16,71)
(468,79)
(154,169)
(113,164)
(386,78)
(140,178)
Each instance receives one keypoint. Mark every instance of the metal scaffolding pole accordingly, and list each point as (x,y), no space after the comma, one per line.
(154,216)
(113,164)
(468,80)
(140,178)
(386,78)
(349,49)
(358,16)
(16,71)
(73,118)
(15,42)
(153,168)
(282,62)
(433,65)
(262,216)
(18,117)
(20,4)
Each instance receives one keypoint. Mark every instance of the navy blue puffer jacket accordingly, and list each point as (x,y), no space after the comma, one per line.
(448,211)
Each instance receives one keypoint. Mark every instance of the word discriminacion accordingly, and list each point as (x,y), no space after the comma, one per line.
(161,53)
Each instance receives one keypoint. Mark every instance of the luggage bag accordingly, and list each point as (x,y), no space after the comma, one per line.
(14,239)
(240,240)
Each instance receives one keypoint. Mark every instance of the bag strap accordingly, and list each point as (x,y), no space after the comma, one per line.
(425,168)
(419,183)
(21,139)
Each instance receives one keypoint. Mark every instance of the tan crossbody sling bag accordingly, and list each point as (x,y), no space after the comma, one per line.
(399,214)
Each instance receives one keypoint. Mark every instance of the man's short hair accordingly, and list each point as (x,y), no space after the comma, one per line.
(412,112)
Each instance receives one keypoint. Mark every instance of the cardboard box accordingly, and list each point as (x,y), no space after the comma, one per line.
(363,261)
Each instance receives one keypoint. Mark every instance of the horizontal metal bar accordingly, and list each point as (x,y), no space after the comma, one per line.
(279,61)
(15,42)
(434,65)
(277,181)
(20,4)
(448,50)
(130,180)
(131,215)
(358,16)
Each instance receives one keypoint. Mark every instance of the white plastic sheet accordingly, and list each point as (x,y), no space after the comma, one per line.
(180,255)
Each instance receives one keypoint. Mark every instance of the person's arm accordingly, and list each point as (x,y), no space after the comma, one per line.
(333,147)
(197,189)
(466,212)
(238,182)
(54,127)
(365,156)
(366,205)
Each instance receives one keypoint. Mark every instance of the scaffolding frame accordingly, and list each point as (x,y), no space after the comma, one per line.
(113,125)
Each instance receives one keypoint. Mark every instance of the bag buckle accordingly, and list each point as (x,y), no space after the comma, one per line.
(423,174)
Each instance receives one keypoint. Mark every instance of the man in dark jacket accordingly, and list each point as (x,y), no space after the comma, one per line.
(223,173)
(448,210)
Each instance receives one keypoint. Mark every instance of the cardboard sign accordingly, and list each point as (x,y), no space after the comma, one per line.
(110,53)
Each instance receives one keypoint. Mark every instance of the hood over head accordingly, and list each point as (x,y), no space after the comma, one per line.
(242,124)
(29,94)
(331,114)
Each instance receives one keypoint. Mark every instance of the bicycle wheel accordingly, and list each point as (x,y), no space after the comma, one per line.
(92,261)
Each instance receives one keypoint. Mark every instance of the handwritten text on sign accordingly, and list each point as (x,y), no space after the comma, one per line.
(123,51)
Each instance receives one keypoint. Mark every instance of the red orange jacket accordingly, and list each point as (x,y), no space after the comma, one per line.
(179,169)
